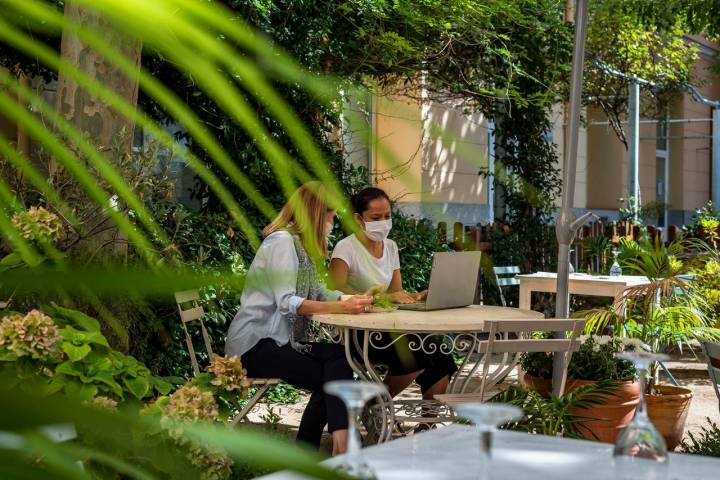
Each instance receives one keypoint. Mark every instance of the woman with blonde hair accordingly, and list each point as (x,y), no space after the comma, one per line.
(282,289)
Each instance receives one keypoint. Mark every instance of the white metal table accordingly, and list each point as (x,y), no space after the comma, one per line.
(452,453)
(450,331)
(579,284)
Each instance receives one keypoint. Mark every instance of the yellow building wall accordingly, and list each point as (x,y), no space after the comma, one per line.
(429,153)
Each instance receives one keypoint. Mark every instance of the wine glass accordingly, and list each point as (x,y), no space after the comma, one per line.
(486,416)
(640,451)
(615,269)
(355,395)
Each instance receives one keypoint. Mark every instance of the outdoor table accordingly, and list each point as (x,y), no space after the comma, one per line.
(453,453)
(579,284)
(457,330)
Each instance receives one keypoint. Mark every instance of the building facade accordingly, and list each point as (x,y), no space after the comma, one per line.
(429,156)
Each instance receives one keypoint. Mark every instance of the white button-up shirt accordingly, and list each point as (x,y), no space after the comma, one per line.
(269,296)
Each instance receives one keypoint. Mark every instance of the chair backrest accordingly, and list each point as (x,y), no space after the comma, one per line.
(712,350)
(505,277)
(190,310)
(508,343)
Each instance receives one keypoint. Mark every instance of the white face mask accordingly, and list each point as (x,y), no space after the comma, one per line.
(378,231)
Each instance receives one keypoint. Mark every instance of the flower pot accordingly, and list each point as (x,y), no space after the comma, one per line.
(541,385)
(613,416)
(608,419)
(668,412)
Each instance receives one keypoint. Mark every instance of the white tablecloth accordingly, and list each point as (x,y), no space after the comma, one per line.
(452,453)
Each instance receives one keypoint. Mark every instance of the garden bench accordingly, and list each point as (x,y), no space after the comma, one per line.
(195,313)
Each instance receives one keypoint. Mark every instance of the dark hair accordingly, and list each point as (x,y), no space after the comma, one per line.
(362,199)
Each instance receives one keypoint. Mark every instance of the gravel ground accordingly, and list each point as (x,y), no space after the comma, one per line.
(689,372)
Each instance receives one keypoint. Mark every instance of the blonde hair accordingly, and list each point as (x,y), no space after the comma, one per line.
(304,214)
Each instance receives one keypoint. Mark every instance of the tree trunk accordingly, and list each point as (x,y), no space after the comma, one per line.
(105,126)
(106,129)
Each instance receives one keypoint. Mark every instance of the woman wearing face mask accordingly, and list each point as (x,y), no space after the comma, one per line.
(281,290)
(368,261)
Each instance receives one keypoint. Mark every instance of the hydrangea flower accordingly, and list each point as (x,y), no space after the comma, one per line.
(104,402)
(38,222)
(229,374)
(34,335)
(213,464)
(190,403)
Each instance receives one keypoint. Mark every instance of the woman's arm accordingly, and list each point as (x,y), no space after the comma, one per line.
(339,272)
(355,304)
(398,295)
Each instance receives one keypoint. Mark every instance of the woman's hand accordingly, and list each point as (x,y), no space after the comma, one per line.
(356,304)
(401,297)
(375,290)
(421,297)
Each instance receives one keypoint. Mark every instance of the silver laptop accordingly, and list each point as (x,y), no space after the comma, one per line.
(453,281)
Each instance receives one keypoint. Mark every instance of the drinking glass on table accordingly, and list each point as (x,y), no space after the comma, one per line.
(487,416)
(355,395)
(640,452)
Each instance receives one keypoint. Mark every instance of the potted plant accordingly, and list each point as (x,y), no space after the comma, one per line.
(668,311)
(594,362)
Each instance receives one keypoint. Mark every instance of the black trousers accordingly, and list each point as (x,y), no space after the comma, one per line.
(308,370)
(400,360)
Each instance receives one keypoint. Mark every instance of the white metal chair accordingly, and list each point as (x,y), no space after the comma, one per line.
(195,313)
(505,277)
(506,345)
(712,350)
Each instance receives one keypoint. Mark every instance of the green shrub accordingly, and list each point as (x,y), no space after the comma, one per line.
(706,442)
(417,240)
(595,360)
(708,286)
(63,351)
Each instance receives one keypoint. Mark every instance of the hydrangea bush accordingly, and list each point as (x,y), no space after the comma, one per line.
(38,223)
(34,335)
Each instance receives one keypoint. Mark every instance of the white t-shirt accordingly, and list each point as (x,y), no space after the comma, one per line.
(366,270)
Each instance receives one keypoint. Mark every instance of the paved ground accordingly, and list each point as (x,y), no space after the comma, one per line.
(688,370)
(692,373)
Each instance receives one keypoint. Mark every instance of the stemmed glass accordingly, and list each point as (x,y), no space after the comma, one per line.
(486,416)
(355,395)
(640,451)
(615,269)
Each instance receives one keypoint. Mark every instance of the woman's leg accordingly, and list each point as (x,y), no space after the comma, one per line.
(397,383)
(439,368)
(309,371)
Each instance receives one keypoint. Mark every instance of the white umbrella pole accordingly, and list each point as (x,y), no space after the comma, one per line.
(567,224)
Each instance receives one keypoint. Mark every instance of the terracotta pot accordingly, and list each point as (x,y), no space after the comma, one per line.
(612,417)
(669,412)
(608,419)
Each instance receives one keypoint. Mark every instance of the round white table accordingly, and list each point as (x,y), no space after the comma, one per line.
(450,331)
(453,453)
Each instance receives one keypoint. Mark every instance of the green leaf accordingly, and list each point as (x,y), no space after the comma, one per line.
(11,261)
(161,385)
(7,356)
(76,352)
(73,317)
(78,337)
(70,368)
(137,386)
(107,379)
(80,392)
